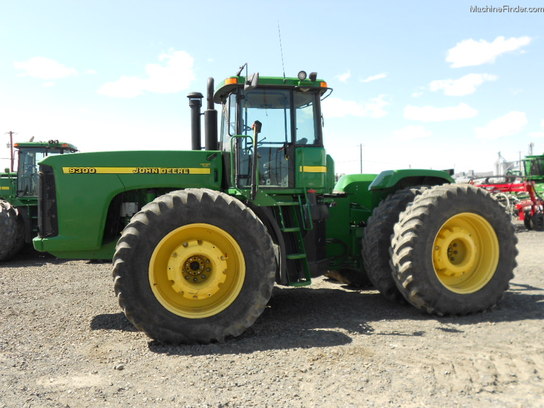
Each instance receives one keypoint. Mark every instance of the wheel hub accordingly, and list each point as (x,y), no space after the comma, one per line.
(197,270)
(465,253)
(454,252)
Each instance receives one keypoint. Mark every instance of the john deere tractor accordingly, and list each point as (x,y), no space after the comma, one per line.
(19,195)
(534,171)
(199,238)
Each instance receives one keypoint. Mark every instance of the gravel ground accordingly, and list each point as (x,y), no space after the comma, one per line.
(65,343)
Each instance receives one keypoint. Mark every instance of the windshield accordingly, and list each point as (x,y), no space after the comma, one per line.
(278,110)
(306,118)
(27,172)
(272,107)
(289,117)
(535,167)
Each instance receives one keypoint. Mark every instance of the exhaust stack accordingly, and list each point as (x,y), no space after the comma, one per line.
(210,120)
(195,103)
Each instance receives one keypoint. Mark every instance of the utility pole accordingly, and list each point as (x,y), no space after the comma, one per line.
(12,155)
(361,158)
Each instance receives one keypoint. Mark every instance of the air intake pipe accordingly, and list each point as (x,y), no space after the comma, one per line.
(210,120)
(195,103)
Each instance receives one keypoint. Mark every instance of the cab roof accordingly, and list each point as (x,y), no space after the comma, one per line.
(52,144)
(233,82)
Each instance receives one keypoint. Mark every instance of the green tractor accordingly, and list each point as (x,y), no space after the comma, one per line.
(19,195)
(199,238)
(534,171)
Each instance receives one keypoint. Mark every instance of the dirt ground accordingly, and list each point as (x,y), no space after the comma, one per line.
(65,343)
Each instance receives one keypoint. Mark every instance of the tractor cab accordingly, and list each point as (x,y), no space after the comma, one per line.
(534,167)
(30,154)
(534,171)
(271,132)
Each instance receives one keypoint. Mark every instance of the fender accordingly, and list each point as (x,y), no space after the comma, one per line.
(395,179)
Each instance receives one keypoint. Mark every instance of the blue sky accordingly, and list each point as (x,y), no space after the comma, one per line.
(420,84)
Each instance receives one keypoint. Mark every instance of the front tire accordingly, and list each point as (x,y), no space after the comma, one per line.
(453,251)
(194,266)
(11,230)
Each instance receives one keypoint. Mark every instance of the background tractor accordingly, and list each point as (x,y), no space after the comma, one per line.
(534,171)
(19,195)
(199,238)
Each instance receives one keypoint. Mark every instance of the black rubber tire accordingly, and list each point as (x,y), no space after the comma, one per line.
(414,241)
(527,220)
(376,241)
(537,221)
(167,213)
(12,231)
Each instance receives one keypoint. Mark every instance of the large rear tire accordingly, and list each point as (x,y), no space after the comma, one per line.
(12,231)
(376,242)
(194,266)
(453,251)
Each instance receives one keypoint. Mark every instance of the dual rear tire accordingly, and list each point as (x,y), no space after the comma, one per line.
(376,241)
(452,251)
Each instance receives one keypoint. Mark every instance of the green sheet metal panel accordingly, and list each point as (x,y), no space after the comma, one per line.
(87,183)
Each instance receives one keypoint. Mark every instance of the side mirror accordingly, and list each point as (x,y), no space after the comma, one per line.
(257,126)
(251,82)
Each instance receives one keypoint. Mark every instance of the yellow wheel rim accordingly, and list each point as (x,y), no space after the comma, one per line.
(197,271)
(465,253)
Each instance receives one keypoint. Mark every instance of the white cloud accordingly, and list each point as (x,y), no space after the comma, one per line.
(339,108)
(465,85)
(374,77)
(412,132)
(433,114)
(175,74)
(470,52)
(44,68)
(344,77)
(508,125)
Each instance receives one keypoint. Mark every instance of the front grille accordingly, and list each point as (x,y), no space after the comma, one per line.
(47,204)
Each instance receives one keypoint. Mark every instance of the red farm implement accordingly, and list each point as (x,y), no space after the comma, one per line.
(519,198)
